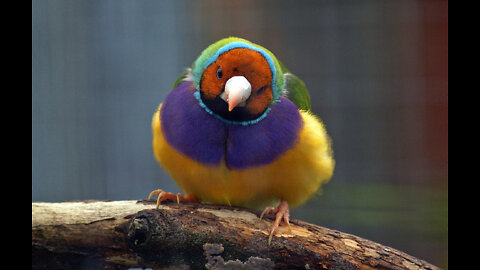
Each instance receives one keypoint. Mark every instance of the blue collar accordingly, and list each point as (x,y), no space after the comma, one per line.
(196,94)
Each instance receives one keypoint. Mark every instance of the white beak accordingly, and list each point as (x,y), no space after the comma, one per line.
(237,91)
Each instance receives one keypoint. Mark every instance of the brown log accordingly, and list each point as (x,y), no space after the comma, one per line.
(131,234)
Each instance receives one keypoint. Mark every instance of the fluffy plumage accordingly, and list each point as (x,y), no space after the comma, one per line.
(271,149)
(294,176)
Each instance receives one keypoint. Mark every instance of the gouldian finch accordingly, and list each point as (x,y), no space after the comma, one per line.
(236,129)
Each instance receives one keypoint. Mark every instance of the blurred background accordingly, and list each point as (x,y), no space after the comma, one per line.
(376,71)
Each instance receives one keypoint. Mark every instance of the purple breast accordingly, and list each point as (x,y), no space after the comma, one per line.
(194,132)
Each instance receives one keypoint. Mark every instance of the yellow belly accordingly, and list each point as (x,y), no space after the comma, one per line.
(294,177)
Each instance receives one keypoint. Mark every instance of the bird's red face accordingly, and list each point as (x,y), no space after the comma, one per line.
(237,86)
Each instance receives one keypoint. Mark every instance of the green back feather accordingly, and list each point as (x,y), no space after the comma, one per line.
(180,78)
(297,91)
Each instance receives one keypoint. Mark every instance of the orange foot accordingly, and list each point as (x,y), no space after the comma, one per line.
(281,212)
(162,196)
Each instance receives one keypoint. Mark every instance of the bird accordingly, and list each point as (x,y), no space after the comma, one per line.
(237,129)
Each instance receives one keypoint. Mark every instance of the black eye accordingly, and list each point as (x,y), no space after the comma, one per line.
(219,73)
(259,91)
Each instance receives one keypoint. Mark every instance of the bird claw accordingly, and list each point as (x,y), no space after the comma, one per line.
(163,196)
(282,212)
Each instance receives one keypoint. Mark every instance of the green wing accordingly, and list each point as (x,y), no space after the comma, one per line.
(179,79)
(297,91)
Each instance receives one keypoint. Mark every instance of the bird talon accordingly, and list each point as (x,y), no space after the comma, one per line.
(270,238)
(163,196)
(159,199)
(281,212)
(155,192)
(267,211)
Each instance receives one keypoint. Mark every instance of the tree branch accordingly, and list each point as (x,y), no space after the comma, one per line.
(131,234)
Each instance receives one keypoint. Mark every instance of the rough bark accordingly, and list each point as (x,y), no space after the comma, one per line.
(131,234)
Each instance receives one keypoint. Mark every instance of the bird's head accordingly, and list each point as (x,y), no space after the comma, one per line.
(237,80)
